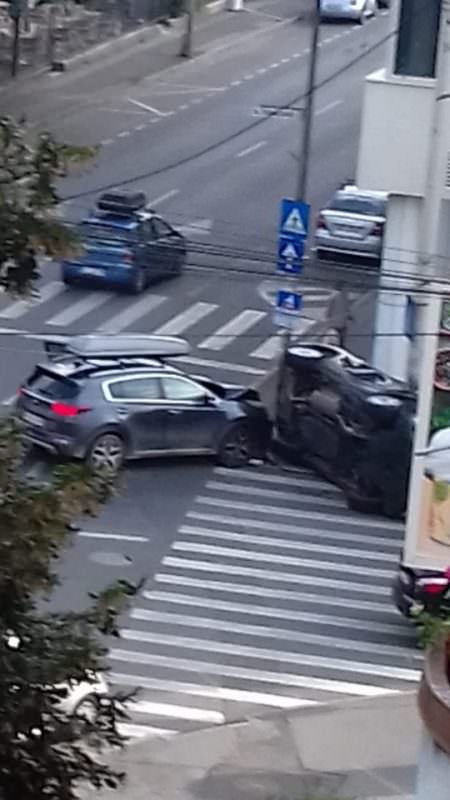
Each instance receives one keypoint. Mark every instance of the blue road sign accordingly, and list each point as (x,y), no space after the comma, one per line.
(287,309)
(294,220)
(290,256)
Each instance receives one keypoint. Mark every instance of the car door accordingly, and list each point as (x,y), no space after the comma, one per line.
(169,247)
(139,405)
(194,415)
(147,250)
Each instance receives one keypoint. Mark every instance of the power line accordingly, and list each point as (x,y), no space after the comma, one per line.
(231,137)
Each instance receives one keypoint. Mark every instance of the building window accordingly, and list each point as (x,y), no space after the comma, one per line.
(417,38)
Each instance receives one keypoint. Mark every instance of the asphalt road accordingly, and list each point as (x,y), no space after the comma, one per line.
(263,591)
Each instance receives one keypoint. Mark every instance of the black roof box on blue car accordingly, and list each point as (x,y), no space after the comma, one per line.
(122,203)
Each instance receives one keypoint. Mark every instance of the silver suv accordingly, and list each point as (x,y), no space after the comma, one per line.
(105,399)
(352,224)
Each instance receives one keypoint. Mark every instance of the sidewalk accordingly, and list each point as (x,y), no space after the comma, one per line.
(353,749)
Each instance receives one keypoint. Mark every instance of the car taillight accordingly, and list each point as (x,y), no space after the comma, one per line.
(433,586)
(321,223)
(67,410)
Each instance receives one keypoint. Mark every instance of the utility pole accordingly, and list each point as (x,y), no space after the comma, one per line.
(307,120)
(15,12)
(187,47)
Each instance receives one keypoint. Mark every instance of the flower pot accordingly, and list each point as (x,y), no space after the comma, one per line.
(434,694)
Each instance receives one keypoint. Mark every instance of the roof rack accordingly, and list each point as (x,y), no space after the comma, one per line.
(122,203)
(104,347)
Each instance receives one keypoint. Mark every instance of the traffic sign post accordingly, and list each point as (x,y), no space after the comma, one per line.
(292,233)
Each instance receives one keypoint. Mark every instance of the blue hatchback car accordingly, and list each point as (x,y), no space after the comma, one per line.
(125,245)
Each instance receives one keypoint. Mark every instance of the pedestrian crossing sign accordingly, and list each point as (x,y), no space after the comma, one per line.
(290,256)
(289,301)
(294,220)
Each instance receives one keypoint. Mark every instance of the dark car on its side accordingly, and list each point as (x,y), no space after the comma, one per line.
(106,399)
(350,422)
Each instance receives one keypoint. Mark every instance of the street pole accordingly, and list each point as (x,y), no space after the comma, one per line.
(307,121)
(15,46)
(186,49)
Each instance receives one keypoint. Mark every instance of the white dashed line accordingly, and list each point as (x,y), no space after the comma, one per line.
(140,127)
(328,107)
(235,83)
(197,100)
(161,199)
(155,119)
(285,60)
(106,141)
(250,149)
(122,134)
(248,77)
(151,109)
(183,107)
(274,65)
(297,55)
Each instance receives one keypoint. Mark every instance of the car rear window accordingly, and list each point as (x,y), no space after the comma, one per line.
(352,204)
(53,387)
(106,233)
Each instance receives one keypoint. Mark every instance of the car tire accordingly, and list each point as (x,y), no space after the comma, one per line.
(68,281)
(299,356)
(383,409)
(138,283)
(107,451)
(234,449)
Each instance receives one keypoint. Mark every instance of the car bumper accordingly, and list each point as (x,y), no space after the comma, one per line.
(369,247)
(119,276)
(351,14)
(53,443)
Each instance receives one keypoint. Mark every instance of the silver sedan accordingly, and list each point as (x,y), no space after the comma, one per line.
(354,10)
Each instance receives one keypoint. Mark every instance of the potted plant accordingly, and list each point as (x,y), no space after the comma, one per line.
(434,689)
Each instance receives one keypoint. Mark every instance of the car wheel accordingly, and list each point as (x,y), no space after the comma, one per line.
(234,449)
(107,452)
(138,282)
(383,409)
(68,281)
(298,356)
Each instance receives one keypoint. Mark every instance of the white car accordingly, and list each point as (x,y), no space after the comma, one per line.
(353,10)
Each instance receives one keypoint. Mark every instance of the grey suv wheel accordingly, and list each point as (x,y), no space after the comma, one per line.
(234,449)
(107,452)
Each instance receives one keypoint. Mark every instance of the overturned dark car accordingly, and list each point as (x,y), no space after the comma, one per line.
(348,421)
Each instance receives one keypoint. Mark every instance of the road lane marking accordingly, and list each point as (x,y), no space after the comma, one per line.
(48,292)
(163,197)
(151,109)
(250,609)
(262,70)
(80,309)
(221,693)
(292,512)
(249,77)
(186,319)
(273,575)
(235,83)
(142,731)
(252,674)
(183,107)
(231,330)
(105,142)
(140,127)
(122,537)
(131,313)
(264,654)
(251,149)
(269,349)
(182,712)
(286,544)
(257,491)
(221,551)
(304,479)
(122,134)
(329,107)
(270,632)
(264,592)
(283,527)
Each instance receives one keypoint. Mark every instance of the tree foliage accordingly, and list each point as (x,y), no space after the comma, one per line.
(45,753)
(30,168)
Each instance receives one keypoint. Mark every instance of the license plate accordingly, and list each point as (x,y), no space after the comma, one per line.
(32,419)
(96,273)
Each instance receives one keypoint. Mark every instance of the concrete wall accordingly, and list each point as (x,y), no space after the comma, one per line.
(395,134)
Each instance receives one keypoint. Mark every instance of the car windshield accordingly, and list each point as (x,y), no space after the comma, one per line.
(354,204)
(106,233)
